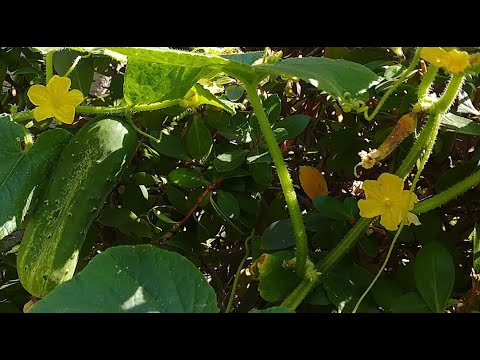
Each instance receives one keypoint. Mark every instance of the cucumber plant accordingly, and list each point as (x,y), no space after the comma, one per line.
(184,167)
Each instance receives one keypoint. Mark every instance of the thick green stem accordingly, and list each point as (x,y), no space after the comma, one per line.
(301,252)
(100,110)
(447,195)
(427,81)
(302,290)
(49,65)
(341,249)
(389,92)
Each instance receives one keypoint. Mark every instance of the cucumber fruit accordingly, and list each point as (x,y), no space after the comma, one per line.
(88,169)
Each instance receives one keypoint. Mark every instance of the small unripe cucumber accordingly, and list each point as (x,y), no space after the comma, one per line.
(88,169)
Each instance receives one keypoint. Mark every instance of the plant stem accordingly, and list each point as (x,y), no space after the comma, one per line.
(301,291)
(49,65)
(341,249)
(447,195)
(427,81)
(100,110)
(389,92)
(301,251)
(237,275)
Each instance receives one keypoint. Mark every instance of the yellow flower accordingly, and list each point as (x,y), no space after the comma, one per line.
(387,198)
(453,61)
(313,182)
(54,100)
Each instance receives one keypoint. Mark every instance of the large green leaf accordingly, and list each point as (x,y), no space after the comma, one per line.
(434,275)
(138,278)
(165,74)
(23,171)
(333,76)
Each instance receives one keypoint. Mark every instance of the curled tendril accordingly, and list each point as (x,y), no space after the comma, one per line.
(349,104)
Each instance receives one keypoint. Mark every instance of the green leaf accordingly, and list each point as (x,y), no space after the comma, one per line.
(234,92)
(385,291)
(81,76)
(273,107)
(165,74)
(229,160)
(332,208)
(318,296)
(239,129)
(279,235)
(23,172)
(261,173)
(205,97)
(276,281)
(199,141)
(476,248)
(465,104)
(434,275)
(333,76)
(170,145)
(460,124)
(273,310)
(409,303)
(228,204)
(188,178)
(223,215)
(345,284)
(126,221)
(177,198)
(147,82)
(258,154)
(294,125)
(217,119)
(137,279)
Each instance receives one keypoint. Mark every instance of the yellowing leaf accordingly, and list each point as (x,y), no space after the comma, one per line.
(313,182)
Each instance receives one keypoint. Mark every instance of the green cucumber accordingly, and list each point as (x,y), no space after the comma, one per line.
(88,169)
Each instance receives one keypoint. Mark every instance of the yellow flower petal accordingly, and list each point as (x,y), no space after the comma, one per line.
(370,208)
(38,95)
(390,183)
(43,112)
(65,114)
(72,98)
(58,86)
(435,56)
(373,190)
(459,61)
(408,199)
(389,220)
(313,182)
